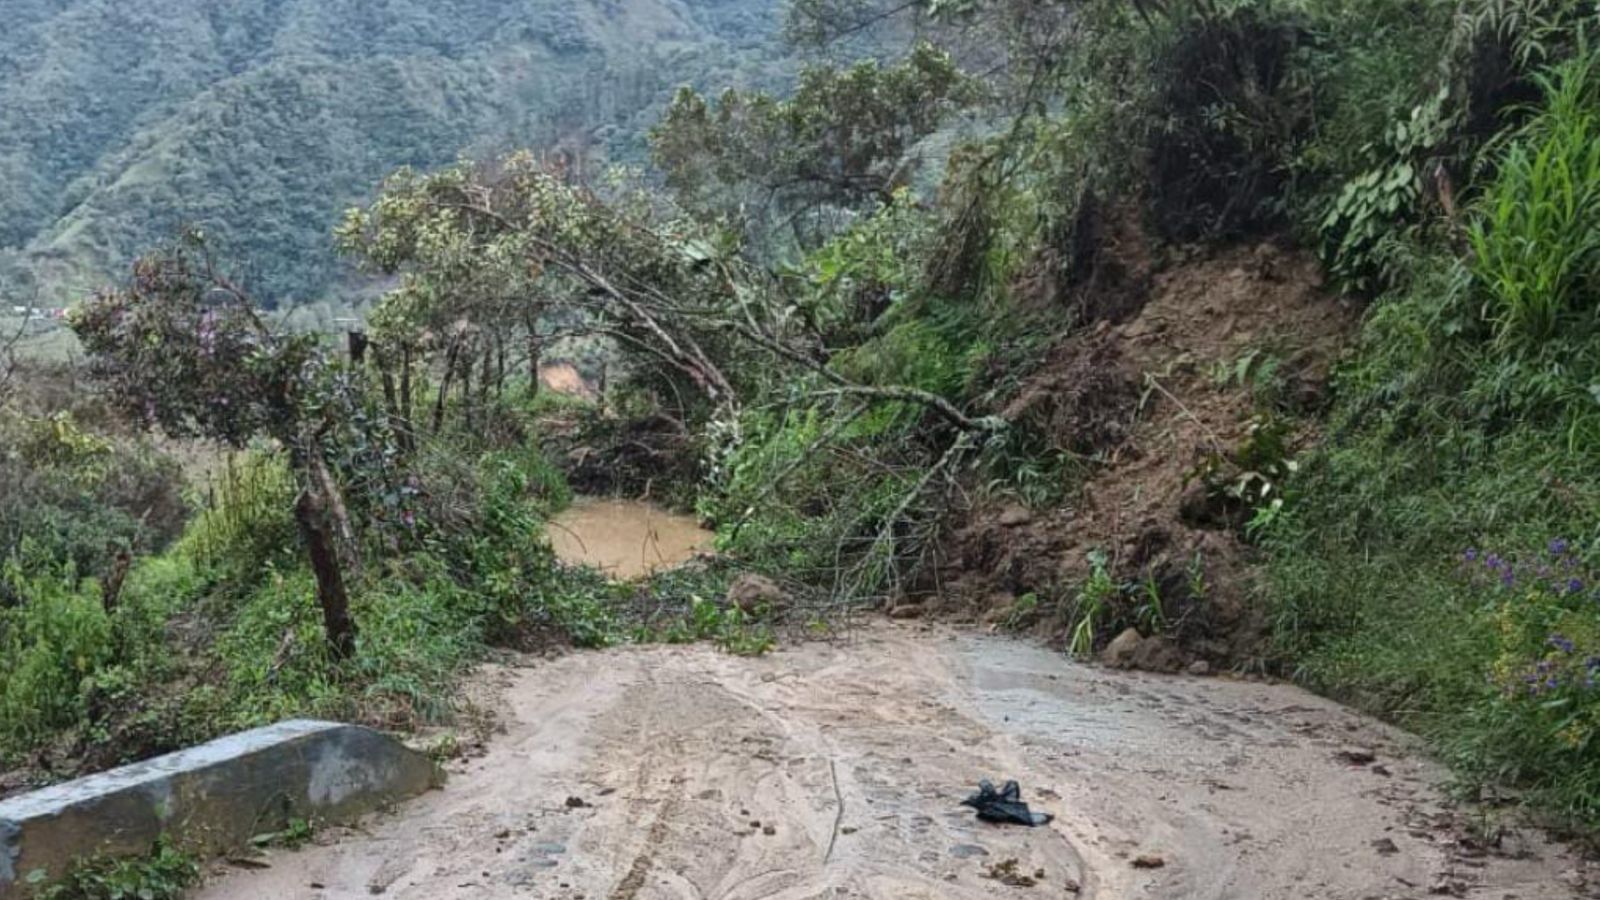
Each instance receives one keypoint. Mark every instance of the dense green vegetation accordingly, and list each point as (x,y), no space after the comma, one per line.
(1434,559)
(259,120)
(221,629)
(1449,523)
(824,354)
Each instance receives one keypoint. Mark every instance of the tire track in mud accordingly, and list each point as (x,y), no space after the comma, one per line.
(835,770)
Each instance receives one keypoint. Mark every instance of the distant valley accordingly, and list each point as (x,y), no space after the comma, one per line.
(260,120)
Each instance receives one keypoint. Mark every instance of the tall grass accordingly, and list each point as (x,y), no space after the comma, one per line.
(50,644)
(246,511)
(1536,247)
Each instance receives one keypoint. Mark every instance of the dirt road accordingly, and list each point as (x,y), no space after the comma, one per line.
(834,770)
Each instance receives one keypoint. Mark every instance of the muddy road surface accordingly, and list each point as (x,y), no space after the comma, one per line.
(835,770)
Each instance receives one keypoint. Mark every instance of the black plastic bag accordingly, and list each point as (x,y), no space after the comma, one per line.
(1004,806)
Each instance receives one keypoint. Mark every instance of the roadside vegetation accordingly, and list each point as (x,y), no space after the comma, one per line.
(863,327)
(1437,561)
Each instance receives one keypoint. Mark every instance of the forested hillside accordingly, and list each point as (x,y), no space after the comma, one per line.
(258,120)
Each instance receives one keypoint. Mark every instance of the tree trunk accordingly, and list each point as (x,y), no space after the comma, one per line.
(535,357)
(391,398)
(111,591)
(399,417)
(350,549)
(336,621)
(405,394)
(485,375)
(466,388)
(499,367)
(444,385)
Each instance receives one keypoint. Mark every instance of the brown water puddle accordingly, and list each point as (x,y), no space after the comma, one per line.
(625,538)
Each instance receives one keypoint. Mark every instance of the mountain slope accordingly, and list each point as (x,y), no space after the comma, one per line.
(261,119)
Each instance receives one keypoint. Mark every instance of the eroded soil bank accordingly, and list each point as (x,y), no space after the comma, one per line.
(835,770)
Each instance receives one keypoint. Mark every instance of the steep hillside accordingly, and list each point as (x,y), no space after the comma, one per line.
(1190,396)
(261,119)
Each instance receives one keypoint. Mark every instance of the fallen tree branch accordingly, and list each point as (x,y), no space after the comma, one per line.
(916,395)
(801,459)
(886,533)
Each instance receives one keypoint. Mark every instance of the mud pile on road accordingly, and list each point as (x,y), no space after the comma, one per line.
(1192,385)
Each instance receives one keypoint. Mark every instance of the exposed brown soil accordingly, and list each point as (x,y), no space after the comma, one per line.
(836,770)
(564,378)
(1143,397)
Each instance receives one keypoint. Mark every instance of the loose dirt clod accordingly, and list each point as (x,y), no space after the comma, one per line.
(1355,756)
(1007,873)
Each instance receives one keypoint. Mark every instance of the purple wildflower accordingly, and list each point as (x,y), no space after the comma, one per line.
(1471,555)
(1559,547)
(1575,585)
(1561,642)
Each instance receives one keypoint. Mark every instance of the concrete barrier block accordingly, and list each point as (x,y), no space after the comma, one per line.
(209,799)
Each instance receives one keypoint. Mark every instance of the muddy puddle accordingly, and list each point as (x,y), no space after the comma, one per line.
(625,538)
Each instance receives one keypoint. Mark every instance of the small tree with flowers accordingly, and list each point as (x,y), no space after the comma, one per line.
(182,348)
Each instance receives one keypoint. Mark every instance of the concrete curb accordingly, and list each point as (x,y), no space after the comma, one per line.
(209,799)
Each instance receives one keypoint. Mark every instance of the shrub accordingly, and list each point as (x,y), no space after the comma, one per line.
(1542,720)
(1465,418)
(51,643)
(246,520)
(79,495)
(1229,115)
(276,664)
